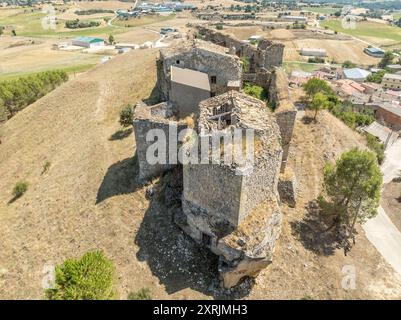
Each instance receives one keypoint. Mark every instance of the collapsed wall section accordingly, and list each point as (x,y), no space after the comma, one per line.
(265,55)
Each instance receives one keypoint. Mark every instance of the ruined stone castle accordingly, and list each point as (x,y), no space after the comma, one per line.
(231,208)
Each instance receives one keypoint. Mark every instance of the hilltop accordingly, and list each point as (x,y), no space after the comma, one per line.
(89,199)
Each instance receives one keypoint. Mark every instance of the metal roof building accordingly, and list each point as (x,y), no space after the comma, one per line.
(356,74)
(88,42)
(314,52)
(374,52)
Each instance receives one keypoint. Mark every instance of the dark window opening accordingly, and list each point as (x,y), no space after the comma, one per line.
(177,62)
(212,94)
(213,79)
(206,240)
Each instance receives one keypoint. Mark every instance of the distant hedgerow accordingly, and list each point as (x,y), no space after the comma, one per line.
(88,278)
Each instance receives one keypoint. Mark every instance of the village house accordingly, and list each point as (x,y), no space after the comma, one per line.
(391,81)
(389,114)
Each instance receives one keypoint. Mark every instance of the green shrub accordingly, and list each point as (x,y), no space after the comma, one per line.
(77,24)
(376,77)
(143,294)
(351,118)
(87,278)
(92,11)
(376,146)
(255,91)
(126,116)
(316,60)
(245,65)
(20,188)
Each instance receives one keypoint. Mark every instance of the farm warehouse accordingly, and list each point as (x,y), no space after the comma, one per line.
(88,42)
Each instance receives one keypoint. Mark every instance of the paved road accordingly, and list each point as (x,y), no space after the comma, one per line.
(380,231)
(392,166)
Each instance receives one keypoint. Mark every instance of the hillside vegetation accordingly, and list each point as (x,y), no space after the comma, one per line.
(19,93)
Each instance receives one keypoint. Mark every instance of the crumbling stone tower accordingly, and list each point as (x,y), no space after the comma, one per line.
(231,208)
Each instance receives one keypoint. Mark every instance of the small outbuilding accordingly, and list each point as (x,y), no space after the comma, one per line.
(374,52)
(88,42)
(313,52)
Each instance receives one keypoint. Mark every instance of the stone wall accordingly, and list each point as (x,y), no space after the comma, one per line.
(223,67)
(285,113)
(215,188)
(141,129)
(286,122)
(261,182)
(250,249)
(265,56)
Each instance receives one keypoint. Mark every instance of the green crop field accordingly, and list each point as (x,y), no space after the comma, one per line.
(366,29)
(30,24)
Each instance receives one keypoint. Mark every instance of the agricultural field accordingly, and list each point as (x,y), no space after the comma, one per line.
(31,23)
(376,33)
(20,56)
(397,15)
(322,10)
(31,50)
(303,66)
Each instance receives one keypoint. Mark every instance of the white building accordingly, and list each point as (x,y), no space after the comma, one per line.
(313,52)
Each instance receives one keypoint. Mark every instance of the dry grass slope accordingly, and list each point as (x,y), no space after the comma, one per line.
(88,200)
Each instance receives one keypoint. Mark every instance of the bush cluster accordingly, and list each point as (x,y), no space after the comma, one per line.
(88,278)
(78,24)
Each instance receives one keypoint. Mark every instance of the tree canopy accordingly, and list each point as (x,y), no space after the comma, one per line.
(316,85)
(319,102)
(353,186)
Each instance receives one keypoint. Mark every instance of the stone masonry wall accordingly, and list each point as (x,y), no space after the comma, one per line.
(215,188)
(261,183)
(141,128)
(266,56)
(285,113)
(223,67)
